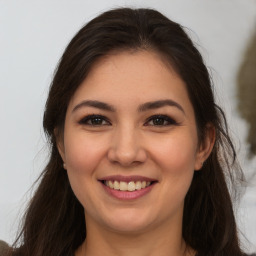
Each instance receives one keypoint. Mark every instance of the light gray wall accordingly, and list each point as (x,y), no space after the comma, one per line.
(33,34)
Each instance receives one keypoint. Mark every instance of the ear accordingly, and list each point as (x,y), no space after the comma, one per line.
(206,146)
(60,143)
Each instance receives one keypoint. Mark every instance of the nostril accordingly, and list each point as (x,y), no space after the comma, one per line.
(127,157)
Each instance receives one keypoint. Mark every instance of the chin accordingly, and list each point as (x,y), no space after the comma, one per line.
(129,222)
(128,227)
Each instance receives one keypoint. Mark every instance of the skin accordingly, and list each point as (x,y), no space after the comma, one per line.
(130,141)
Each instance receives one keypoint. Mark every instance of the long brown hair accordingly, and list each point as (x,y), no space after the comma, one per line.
(54,221)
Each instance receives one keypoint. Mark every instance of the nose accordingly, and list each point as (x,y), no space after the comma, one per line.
(127,148)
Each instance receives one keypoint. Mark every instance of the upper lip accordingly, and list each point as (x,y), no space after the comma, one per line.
(126,178)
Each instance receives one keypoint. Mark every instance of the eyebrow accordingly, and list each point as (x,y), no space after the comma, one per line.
(95,104)
(144,107)
(159,104)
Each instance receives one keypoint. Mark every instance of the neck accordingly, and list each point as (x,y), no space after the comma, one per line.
(162,240)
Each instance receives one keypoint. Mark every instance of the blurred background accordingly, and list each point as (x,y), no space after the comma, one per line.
(33,35)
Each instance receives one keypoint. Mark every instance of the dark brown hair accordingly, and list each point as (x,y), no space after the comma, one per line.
(54,222)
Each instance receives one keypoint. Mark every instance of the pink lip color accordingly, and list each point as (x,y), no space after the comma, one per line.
(127,195)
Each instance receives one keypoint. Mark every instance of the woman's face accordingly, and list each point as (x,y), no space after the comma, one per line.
(130,143)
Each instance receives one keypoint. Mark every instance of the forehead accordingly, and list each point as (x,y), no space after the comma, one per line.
(142,64)
(132,76)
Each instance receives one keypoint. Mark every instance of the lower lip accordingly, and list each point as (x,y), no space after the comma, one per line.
(128,195)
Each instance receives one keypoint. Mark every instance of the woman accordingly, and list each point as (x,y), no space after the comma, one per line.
(139,149)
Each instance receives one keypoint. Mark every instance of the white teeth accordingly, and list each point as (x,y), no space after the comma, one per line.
(131,186)
(116,185)
(111,184)
(124,186)
(138,185)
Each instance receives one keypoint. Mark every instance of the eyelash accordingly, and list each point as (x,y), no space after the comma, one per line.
(164,120)
(167,121)
(89,118)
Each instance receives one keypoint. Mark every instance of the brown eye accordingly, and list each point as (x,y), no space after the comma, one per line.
(94,120)
(160,120)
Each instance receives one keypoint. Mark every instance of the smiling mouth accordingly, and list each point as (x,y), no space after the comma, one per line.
(127,186)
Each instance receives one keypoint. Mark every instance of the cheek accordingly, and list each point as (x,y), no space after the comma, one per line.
(178,168)
(176,153)
(83,153)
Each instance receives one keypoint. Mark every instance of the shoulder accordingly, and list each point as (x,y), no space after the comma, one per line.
(4,247)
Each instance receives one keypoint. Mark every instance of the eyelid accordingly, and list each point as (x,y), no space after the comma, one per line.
(167,118)
(85,119)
